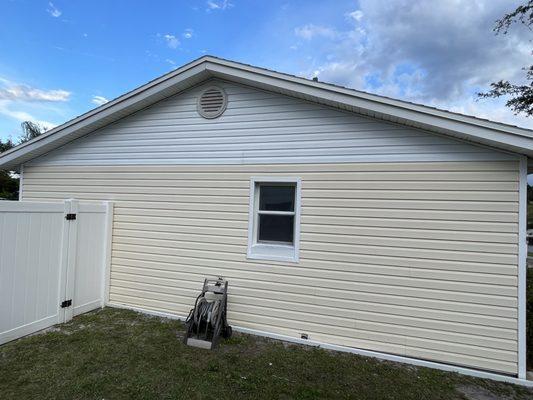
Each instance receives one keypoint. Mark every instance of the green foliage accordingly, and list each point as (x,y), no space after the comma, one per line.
(30,130)
(9,184)
(521,100)
(521,95)
(7,145)
(523,15)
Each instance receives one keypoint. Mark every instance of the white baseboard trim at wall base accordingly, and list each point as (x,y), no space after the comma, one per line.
(367,353)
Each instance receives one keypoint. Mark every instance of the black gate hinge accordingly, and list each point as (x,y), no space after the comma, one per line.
(66,303)
(70,217)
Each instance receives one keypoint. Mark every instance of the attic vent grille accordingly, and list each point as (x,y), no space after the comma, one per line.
(212,102)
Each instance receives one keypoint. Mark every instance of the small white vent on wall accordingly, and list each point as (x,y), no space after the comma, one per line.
(212,102)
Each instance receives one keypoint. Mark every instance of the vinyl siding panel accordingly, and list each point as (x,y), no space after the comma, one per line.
(258,127)
(411,258)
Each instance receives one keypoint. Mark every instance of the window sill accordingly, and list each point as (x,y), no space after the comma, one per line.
(273,252)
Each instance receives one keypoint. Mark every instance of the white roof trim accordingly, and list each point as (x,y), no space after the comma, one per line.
(494,134)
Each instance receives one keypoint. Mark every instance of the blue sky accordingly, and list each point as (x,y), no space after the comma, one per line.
(59,59)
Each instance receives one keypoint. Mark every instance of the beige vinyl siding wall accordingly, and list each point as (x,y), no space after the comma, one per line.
(416,259)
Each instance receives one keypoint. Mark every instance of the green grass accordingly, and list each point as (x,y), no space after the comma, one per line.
(120,354)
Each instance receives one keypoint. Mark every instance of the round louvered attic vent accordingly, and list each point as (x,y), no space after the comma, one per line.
(212,102)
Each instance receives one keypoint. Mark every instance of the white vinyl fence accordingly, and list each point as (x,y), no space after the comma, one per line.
(54,259)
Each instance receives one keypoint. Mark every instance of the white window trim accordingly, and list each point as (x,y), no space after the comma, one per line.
(274,251)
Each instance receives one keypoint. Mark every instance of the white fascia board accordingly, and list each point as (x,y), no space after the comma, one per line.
(510,138)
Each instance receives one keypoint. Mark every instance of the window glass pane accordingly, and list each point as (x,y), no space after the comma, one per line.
(276,228)
(276,198)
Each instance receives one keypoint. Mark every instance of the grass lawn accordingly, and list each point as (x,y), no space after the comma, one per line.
(120,354)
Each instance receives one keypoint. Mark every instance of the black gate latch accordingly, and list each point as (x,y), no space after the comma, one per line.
(70,217)
(66,303)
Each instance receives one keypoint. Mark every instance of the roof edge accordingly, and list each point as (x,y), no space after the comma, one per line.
(374,97)
(501,136)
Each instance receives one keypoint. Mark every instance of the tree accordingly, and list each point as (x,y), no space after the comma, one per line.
(521,95)
(7,145)
(9,186)
(9,182)
(30,130)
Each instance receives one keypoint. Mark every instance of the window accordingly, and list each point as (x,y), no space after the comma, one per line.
(274,226)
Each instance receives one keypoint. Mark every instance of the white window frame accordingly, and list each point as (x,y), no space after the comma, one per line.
(273,251)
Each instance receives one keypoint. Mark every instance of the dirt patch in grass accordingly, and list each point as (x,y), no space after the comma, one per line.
(120,354)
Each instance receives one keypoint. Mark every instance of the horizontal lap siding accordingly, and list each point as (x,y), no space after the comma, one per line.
(416,259)
(408,239)
(257,127)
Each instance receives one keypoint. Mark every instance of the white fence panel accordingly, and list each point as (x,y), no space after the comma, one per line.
(46,259)
(30,261)
(90,256)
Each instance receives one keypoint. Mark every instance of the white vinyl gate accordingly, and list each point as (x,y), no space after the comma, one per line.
(53,263)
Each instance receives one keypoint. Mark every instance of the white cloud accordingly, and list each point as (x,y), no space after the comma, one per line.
(356,15)
(12,91)
(53,10)
(21,116)
(99,100)
(218,5)
(311,31)
(188,33)
(172,41)
(436,53)
(25,103)
(171,62)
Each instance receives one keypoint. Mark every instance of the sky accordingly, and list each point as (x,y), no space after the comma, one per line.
(60,59)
